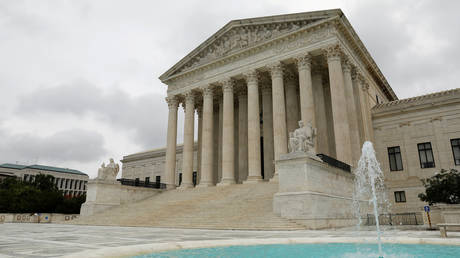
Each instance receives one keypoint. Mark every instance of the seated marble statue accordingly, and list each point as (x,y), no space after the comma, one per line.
(109,172)
(303,139)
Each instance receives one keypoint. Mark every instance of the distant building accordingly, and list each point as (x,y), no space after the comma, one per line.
(72,182)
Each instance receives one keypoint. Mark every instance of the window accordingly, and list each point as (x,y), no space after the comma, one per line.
(400,196)
(394,156)
(425,154)
(147,180)
(180,178)
(456,150)
(136,181)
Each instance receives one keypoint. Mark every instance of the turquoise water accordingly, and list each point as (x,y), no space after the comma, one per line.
(316,250)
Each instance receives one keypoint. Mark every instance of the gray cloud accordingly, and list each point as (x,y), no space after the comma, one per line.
(413,42)
(144,116)
(45,45)
(64,146)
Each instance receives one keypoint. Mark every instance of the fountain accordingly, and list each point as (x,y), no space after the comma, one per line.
(369,186)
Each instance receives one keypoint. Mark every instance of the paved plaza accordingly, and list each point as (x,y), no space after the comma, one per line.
(55,240)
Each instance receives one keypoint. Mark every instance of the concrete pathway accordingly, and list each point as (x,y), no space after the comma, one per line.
(54,240)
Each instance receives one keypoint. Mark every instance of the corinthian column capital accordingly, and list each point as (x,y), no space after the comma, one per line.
(208,91)
(276,69)
(303,61)
(251,76)
(333,52)
(189,97)
(346,65)
(227,84)
(173,102)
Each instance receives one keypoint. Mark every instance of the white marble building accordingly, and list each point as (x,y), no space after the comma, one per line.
(70,181)
(251,82)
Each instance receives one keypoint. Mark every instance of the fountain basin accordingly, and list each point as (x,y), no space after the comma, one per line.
(155,248)
(315,250)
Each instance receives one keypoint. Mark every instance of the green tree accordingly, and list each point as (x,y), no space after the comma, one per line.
(444,187)
(40,196)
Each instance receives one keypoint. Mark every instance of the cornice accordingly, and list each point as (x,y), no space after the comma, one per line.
(329,18)
(155,153)
(324,14)
(418,102)
(245,51)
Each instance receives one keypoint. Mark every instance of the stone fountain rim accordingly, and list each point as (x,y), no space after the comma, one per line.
(133,250)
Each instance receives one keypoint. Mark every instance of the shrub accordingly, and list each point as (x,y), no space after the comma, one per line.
(444,187)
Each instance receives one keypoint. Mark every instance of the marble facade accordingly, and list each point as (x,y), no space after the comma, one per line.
(249,84)
(258,77)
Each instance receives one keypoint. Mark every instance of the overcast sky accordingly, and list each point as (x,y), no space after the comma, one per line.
(79,79)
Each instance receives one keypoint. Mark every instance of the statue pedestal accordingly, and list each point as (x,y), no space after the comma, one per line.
(313,193)
(101,195)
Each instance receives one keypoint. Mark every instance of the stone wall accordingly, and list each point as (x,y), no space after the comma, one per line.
(313,193)
(40,218)
(433,118)
(103,195)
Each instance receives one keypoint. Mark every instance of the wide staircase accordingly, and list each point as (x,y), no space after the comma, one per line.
(241,206)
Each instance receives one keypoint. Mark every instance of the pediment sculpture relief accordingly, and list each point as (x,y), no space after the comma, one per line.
(242,37)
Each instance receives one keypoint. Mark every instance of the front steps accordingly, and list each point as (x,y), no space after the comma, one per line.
(240,206)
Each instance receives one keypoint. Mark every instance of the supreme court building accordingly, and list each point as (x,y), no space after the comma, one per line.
(249,84)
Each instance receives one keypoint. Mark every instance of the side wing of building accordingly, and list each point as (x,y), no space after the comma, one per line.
(414,139)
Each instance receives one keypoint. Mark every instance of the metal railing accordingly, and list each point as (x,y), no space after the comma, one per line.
(138,183)
(395,219)
(335,163)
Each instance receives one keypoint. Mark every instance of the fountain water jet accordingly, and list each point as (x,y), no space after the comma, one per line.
(369,187)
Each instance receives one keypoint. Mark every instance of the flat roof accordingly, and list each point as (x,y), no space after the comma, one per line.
(42,167)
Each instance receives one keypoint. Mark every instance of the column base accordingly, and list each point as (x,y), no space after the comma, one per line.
(275,178)
(170,187)
(253,180)
(226,181)
(205,184)
(185,186)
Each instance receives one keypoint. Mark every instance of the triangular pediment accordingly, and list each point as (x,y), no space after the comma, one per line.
(240,34)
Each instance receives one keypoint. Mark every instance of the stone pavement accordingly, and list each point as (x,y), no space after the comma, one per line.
(54,240)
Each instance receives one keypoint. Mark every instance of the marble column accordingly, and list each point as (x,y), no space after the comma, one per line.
(228,140)
(279,112)
(339,105)
(199,111)
(365,109)
(267,116)
(357,100)
(216,138)
(242,137)
(187,155)
(292,103)
(254,166)
(219,142)
(320,112)
(307,107)
(352,114)
(207,148)
(171,143)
